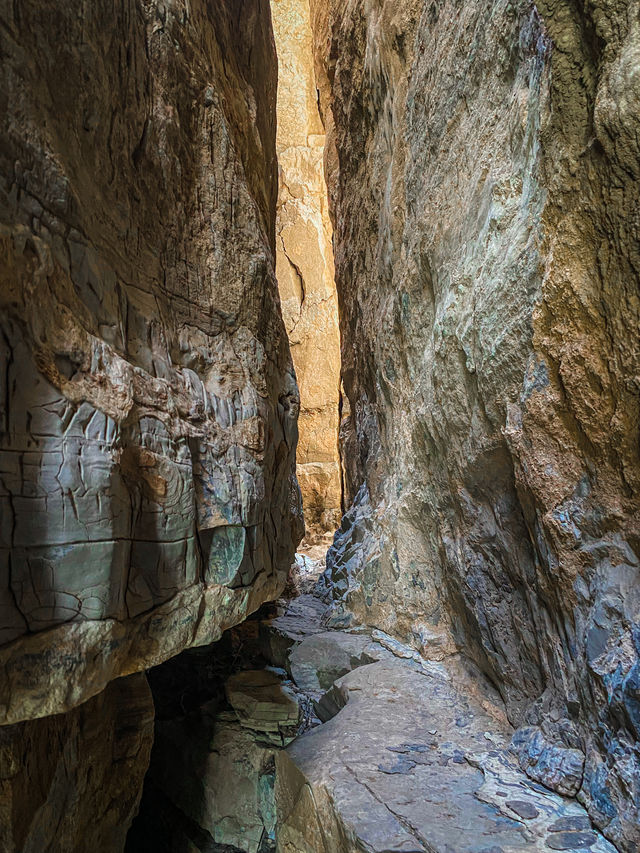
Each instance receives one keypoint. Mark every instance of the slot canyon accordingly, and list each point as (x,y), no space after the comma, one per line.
(320,426)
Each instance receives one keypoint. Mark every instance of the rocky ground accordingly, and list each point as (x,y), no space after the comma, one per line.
(324,740)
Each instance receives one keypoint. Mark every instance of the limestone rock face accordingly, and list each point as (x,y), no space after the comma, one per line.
(148,418)
(412,764)
(304,265)
(73,782)
(209,788)
(485,231)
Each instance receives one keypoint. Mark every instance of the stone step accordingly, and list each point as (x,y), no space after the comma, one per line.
(321,659)
(264,704)
(294,621)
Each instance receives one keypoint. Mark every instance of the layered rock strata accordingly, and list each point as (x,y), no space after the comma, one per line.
(148,424)
(304,265)
(483,169)
(148,404)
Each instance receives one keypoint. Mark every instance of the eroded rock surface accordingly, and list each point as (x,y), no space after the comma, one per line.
(72,782)
(413,754)
(305,268)
(483,176)
(148,419)
(411,763)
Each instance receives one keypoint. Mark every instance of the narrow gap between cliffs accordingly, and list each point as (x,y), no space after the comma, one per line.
(224,711)
(418,755)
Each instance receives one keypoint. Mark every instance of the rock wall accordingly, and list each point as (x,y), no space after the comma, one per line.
(483,175)
(148,420)
(72,782)
(148,404)
(304,265)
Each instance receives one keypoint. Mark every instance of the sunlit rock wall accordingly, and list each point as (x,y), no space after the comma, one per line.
(148,400)
(305,268)
(483,174)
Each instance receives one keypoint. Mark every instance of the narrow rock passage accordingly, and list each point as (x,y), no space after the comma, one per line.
(319,740)
(412,756)
(374,263)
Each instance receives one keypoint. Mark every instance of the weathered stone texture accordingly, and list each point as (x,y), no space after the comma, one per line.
(209,788)
(149,404)
(485,216)
(73,782)
(410,762)
(304,266)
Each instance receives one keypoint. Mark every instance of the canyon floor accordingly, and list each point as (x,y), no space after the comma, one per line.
(346,740)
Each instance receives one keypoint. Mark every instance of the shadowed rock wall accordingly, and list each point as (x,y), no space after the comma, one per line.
(148,417)
(483,175)
(72,782)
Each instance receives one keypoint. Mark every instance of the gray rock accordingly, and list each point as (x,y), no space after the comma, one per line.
(524,809)
(571,824)
(554,765)
(321,659)
(330,703)
(401,765)
(264,704)
(148,426)
(333,781)
(294,621)
(571,840)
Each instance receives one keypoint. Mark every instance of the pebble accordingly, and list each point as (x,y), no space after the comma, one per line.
(523,809)
(574,823)
(571,840)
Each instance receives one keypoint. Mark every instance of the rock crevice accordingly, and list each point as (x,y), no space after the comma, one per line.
(304,266)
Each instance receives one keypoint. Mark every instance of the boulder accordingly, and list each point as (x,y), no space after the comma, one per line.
(321,659)
(264,704)
(147,448)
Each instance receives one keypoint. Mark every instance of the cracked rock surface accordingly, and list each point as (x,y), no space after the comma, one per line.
(414,755)
(149,404)
(411,763)
(483,163)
